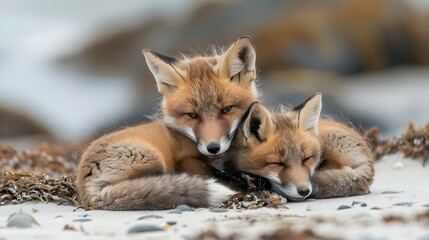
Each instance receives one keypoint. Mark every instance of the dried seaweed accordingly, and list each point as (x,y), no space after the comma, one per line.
(45,174)
(22,187)
(413,143)
(254,200)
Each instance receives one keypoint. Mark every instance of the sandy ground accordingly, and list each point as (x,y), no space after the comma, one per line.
(374,216)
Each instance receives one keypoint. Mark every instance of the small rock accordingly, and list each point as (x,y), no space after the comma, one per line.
(391,192)
(175,212)
(218,210)
(362,204)
(184,208)
(150,216)
(399,165)
(21,220)
(426,205)
(342,207)
(82,220)
(404,204)
(59,216)
(142,228)
(376,208)
(171,223)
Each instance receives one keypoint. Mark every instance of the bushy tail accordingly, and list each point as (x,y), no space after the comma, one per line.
(347,181)
(159,192)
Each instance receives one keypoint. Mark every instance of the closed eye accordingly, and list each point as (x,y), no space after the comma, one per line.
(278,163)
(306,159)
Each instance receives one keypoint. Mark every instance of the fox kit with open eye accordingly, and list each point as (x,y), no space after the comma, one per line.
(300,155)
(164,163)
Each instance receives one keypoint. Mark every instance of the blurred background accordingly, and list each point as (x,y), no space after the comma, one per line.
(72,70)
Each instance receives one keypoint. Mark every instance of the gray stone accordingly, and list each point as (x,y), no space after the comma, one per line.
(175,212)
(376,208)
(403,204)
(219,210)
(426,205)
(342,207)
(185,208)
(391,192)
(142,228)
(82,220)
(21,220)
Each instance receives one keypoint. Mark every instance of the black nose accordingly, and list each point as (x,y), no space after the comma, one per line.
(213,148)
(303,191)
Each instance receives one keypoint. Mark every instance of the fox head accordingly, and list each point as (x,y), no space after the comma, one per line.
(282,147)
(205,97)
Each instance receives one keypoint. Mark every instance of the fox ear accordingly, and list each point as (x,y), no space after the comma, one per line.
(309,113)
(240,57)
(164,71)
(257,122)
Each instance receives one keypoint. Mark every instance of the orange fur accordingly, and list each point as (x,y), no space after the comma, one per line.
(162,164)
(302,156)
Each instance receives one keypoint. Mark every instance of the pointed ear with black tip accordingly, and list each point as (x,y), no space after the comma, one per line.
(163,68)
(239,58)
(308,114)
(257,122)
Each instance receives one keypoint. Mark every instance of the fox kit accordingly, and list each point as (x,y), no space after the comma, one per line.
(300,155)
(164,163)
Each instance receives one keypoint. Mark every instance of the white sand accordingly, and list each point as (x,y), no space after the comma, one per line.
(412,183)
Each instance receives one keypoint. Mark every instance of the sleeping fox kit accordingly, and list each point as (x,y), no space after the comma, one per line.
(300,155)
(164,163)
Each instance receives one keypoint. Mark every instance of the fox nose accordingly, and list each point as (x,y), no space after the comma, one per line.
(303,191)
(213,148)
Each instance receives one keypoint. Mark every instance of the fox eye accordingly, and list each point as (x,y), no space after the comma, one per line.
(279,163)
(192,115)
(306,159)
(226,109)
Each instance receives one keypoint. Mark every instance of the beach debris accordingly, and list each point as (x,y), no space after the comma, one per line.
(184,208)
(143,228)
(18,187)
(21,220)
(254,200)
(69,227)
(362,204)
(342,207)
(413,143)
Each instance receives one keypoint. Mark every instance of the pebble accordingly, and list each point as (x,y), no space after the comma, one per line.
(185,208)
(376,208)
(171,223)
(404,204)
(362,204)
(342,207)
(150,216)
(391,192)
(142,228)
(82,220)
(175,212)
(426,205)
(21,220)
(399,165)
(218,210)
